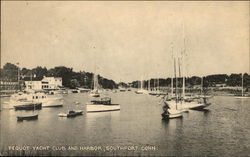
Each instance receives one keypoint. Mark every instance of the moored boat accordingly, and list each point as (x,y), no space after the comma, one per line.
(31,117)
(94,93)
(102,105)
(29,106)
(71,113)
(36,97)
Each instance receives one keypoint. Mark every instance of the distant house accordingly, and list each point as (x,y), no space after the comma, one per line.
(47,83)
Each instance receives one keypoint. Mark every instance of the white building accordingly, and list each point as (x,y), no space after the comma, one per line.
(47,83)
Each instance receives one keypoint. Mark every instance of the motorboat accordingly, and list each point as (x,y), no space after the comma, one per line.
(103,105)
(71,113)
(29,106)
(36,97)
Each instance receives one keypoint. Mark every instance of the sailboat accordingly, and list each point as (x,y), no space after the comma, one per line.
(170,111)
(95,92)
(100,104)
(141,90)
(243,96)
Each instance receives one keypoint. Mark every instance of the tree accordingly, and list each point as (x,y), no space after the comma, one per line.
(9,72)
(40,72)
(74,83)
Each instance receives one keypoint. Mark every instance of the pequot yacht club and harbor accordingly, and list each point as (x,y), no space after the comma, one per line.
(176,99)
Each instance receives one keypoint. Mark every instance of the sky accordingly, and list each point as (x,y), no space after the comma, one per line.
(127,40)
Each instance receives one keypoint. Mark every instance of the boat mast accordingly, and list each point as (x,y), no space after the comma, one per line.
(172,77)
(141,83)
(183,54)
(179,67)
(183,84)
(201,84)
(158,85)
(176,99)
(242,89)
(149,84)
(94,75)
(18,77)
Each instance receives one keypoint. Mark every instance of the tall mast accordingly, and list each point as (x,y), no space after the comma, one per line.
(154,85)
(95,77)
(158,84)
(242,89)
(183,85)
(183,54)
(179,67)
(149,84)
(175,83)
(141,83)
(18,77)
(172,77)
(201,84)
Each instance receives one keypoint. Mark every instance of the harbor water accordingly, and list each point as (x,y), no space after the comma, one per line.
(136,130)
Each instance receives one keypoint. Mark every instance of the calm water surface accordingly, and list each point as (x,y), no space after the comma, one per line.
(222,130)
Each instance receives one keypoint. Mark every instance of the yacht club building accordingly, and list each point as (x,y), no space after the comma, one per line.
(47,83)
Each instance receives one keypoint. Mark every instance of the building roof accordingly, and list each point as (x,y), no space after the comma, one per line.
(33,79)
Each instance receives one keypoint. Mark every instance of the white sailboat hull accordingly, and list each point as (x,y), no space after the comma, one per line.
(95,94)
(102,108)
(174,113)
(187,105)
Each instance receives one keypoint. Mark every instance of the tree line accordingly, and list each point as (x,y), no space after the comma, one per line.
(232,80)
(70,78)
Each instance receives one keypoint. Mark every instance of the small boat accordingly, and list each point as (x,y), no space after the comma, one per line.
(95,93)
(122,89)
(139,92)
(103,105)
(29,106)
(71,113)
(102,108)
(74,91)
(31,117)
